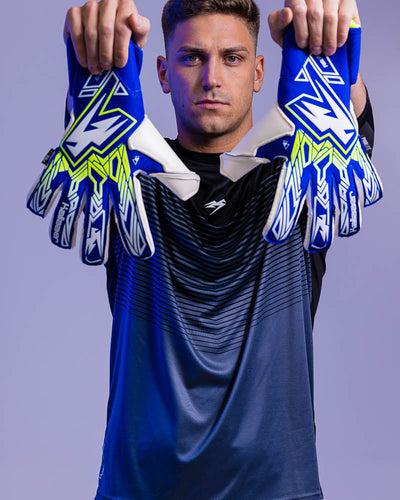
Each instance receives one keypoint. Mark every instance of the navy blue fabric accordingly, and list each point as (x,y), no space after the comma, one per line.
(211,391)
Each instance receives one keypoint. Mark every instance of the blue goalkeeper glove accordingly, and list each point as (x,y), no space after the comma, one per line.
(314,129)
(108,142)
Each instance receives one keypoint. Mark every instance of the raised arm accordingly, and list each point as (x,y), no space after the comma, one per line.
(323,26)
(100,32)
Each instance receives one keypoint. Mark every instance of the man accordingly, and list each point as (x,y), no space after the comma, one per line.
(211,393)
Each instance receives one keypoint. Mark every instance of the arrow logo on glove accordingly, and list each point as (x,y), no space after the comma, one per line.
(96,129)
(322,118)
(98,133)
(322,113)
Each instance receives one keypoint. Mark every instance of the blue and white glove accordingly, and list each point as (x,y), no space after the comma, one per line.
(314,129)
(108,141)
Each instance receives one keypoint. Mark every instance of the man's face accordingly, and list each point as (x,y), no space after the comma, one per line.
(211,71)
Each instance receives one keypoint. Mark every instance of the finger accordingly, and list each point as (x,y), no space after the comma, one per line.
(330,27)
(129,24)
(140,26)
(278,21)
(300,22)
(315,20)
(106,22)
(123,33)
(73,28)
(347,12)
(90,22)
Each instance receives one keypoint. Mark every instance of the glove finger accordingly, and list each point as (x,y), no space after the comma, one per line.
(368,181)
(94,249)
(46,189)
(348,204)
(287,204)
(63,227)
(353,52)
(320,217)
(131,217)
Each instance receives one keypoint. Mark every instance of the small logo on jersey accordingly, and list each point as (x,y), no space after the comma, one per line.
(216,205)
(135,160)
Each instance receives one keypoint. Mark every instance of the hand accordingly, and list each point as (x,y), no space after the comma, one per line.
(321,25)
(100,32)
(107,148)
(313,129)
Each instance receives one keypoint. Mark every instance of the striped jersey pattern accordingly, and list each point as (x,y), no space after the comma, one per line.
(211,385)
(208,282)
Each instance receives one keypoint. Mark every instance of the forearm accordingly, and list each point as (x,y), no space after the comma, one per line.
(358,96)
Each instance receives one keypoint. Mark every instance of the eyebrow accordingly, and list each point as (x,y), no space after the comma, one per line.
(197,50)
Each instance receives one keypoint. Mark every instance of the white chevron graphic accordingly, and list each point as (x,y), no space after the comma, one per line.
(339,123)
(100,131)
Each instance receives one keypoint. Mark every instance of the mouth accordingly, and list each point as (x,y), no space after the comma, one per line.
(210,104)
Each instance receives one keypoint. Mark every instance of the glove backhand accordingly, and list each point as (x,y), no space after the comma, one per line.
(107,143)
(313,128)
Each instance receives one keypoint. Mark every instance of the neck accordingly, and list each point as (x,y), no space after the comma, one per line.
(208,143)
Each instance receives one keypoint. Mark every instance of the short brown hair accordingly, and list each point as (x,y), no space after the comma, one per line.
(176,11)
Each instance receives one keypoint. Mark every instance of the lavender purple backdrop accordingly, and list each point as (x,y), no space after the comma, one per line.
(55,319)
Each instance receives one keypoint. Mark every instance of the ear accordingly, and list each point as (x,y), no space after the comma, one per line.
(258,73)
(162,70)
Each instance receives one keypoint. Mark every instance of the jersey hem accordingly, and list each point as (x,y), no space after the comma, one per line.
(311,496)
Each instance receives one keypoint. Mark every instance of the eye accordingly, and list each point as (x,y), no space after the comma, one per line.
(190,58)
(232,59)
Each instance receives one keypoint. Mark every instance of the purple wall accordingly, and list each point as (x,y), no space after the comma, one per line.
(55,320)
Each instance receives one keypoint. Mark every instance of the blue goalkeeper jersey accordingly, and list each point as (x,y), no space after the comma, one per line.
(211,383)
(211,394)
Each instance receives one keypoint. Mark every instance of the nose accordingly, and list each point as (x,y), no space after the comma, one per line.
(211,77)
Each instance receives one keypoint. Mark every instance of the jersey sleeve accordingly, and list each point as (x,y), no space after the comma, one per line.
(366,127)
(366,130)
